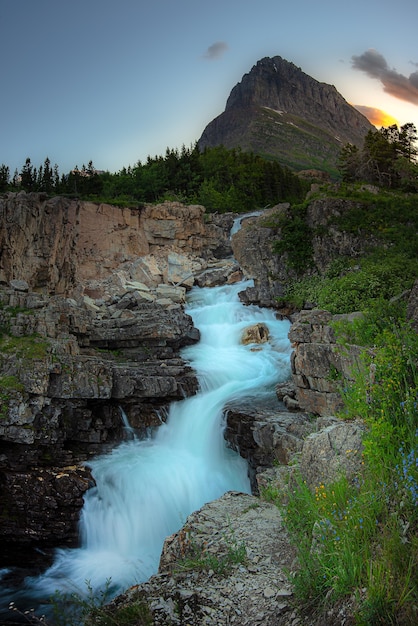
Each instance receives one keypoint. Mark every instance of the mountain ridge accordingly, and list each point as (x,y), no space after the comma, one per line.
(281,113)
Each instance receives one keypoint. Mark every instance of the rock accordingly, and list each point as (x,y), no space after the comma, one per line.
(251,246)
(250,551)
(318,362)
(266,436)
(333,451)
(258,333)
(61,244)
(136,286)
(19,285)
(61,492)
(175,294)
(179,270)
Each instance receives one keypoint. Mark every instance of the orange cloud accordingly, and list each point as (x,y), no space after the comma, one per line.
(376,116)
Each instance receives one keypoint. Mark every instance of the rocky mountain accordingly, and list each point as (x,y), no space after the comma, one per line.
(280,112)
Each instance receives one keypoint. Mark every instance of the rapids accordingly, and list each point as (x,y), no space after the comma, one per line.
(145,489)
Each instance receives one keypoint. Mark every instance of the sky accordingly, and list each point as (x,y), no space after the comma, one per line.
(116,81)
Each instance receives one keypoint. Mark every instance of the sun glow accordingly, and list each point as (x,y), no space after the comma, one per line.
(376,116)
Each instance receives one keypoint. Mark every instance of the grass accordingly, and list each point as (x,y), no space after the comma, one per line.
(359,538)
(26,347)
(200,558)
(353,285)
(9,385)
(88,609)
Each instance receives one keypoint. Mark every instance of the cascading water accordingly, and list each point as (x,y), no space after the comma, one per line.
(146,488)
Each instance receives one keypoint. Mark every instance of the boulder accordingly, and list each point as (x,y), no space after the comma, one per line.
(334,451)
(266,436)
(257,333)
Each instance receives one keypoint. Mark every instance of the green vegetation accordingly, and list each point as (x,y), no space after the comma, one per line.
(90,608)
(359,538)
(9,385)
(27,347)
(389,222)
(295,240)
(200,558)
(219,179)
(387,159)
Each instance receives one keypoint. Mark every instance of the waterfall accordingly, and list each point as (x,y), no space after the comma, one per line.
(145,489)
(129,431)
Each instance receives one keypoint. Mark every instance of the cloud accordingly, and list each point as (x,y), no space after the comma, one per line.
(376,116)
(216,50)
(375,65)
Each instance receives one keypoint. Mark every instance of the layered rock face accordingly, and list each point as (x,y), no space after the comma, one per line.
(318,362)
(59,246)
(279,110)
(67,371)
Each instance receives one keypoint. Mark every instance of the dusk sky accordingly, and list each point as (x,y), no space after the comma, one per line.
(115,81)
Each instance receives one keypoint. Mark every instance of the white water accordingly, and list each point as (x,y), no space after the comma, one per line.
(146,489)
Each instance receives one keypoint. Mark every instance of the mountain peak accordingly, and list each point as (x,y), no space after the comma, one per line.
(280,112)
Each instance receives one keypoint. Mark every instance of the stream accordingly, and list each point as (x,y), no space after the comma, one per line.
(145,489)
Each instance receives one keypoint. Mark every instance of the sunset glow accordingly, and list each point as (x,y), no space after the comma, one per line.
(377,117)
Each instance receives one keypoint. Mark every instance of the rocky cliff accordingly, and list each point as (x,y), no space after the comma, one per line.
(92,323)
(62,246)
(279,111)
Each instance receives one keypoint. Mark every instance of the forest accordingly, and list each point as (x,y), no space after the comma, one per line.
(217,178)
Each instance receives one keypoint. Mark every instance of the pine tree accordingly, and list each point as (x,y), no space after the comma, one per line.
(28,176)
(4,177)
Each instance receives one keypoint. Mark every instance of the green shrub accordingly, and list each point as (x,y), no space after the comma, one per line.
(295,241)
(362,284)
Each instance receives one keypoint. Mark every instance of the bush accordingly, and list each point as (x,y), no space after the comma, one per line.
(360,286)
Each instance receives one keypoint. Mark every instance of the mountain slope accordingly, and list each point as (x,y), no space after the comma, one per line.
(280,112)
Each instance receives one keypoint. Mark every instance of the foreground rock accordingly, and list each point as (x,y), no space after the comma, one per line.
(227,565)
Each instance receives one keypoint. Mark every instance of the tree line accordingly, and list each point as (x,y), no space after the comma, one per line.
(388,159)
(218,178)
(223,179)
